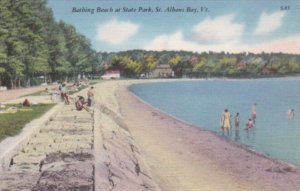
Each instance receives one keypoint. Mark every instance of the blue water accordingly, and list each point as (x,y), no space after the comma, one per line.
(201,103)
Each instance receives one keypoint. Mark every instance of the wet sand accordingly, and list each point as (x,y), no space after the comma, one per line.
(187,158)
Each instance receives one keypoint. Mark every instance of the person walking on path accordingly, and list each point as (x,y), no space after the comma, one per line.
(64,94)
(90,95)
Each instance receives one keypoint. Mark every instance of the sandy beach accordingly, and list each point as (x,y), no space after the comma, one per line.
(187,158)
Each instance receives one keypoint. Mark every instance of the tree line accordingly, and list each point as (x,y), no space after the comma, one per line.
(134,63)
(33,45)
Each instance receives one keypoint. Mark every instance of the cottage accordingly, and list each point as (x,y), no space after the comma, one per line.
(242,65)
(163,71)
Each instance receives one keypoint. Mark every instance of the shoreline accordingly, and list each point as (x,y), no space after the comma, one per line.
(263,171)
(217,133)
(229,141)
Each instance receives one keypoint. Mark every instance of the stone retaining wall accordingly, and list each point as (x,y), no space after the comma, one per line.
(58,157)
(119,164)
(68,149)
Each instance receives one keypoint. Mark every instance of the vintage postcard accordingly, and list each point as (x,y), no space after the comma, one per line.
(158,95)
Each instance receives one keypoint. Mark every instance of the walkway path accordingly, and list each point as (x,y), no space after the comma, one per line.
(15,93)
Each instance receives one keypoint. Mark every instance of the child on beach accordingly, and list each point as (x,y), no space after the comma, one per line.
(249,124)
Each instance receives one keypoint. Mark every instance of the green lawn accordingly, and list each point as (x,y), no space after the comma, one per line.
(12,123)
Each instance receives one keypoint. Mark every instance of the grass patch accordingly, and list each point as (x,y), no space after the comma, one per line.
(12,123)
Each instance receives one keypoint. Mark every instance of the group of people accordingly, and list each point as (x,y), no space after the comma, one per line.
(80,103)
(226,119)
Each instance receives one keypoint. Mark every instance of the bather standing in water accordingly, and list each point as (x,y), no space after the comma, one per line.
(253,112)
(237,120)
(249,124)
(291,114)
(226,120)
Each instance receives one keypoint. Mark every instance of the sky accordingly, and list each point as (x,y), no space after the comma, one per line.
(191,25)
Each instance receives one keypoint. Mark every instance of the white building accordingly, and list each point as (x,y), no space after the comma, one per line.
(111,74)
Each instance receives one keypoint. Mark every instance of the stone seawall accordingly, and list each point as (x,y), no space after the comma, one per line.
(68,149)
(119,163)
(58,157)
(11,145)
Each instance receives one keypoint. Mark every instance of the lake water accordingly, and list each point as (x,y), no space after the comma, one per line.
(201,103)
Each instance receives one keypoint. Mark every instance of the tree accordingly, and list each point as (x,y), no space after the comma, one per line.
(32,34)
(177,65)
(58,64)
(228,65)
(200,68)
(293,66)
(150,61)
(127,66)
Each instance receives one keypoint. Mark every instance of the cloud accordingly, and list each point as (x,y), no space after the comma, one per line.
(223,34)
(269,22)
(116,32)
(176,41)
(289,44)
(172,42)
(218,30)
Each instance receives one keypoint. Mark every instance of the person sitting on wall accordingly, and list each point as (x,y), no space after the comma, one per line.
(80,104)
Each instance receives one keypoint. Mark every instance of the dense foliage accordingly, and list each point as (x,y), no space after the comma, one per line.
(34,48)
(133,63)
(33,45)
